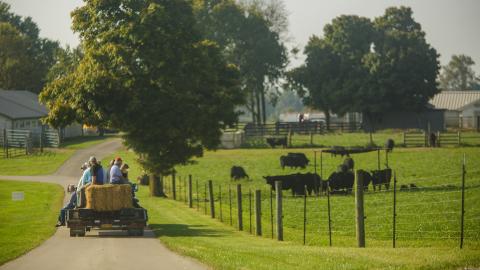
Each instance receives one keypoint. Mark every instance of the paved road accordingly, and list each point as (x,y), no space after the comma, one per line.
(99,249)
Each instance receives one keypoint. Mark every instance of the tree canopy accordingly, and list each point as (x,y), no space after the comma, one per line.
(24,67)
(458,75)
(149,72)
(249,35)
(369,66)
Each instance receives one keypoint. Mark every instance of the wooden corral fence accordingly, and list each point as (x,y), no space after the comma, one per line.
(418,139)
(14,142)
(305,128)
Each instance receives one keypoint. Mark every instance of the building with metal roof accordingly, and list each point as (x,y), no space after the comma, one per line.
(462,108)
(21,110)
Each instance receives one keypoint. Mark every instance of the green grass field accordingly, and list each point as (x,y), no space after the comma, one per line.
(26,224)
(48,161)
(222,247)
(428,220)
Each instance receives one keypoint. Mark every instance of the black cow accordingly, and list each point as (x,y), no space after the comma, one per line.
(277,141)
(367,178)
(237,172)
(311,181)
(288,181)
(294,160)
(338,181)
(389,145)
(381,177)
(349,163)
(297,182)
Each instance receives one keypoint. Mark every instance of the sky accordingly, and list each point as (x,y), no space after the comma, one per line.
(451,26)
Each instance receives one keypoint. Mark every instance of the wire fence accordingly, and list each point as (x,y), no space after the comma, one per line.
(427,214)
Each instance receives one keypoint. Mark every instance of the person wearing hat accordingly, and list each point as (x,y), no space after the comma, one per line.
(116,176)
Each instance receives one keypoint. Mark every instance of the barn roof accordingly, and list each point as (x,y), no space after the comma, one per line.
(455,100)
(20,105)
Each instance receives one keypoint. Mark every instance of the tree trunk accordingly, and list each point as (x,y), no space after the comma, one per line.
(327,119)
(264,111)
(257,100)
(252,108)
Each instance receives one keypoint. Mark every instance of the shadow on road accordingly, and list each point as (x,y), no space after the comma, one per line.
(117,234)
(175,230)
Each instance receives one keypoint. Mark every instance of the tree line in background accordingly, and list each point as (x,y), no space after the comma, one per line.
(172,74)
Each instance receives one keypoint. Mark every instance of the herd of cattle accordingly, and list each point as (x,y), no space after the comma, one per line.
(341,181)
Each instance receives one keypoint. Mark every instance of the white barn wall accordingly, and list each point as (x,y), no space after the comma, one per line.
(5,123)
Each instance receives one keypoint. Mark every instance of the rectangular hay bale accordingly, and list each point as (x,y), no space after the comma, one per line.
(108,197)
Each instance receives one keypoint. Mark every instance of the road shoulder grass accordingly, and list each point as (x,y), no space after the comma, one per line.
(26,224)
(192,234)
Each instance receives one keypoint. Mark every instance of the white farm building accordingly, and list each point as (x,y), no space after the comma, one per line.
(462,108)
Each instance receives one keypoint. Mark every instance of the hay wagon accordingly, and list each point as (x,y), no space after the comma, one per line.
(106,207)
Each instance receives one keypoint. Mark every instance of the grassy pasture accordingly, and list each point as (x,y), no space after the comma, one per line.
(426,217)
(26,224)
(222,247)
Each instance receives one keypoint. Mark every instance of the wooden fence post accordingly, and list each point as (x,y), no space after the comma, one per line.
(190,201)
(278,193)
(212,202)
(239,207)
(41,138)
(462,216)
(359,210)
(258,212)
(394,226)
(459,134)
(174,189)
(378,159)
(425,139)
(290,137)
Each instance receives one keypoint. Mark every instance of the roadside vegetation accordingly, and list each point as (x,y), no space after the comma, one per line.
(50,160)
(26,224)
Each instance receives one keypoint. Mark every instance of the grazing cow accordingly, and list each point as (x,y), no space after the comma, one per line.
(381,177)
(413,186)
(294,160)
(338,181)
(403,187)
(297,182)
(367,178)
(349,163)
(311,181)
(389,145)
(237,172)
(277,141)
(287,181)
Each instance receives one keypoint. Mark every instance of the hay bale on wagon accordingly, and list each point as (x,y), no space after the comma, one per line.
(122,197)
(108,197)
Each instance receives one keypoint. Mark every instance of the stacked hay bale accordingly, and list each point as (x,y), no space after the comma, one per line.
(108,197)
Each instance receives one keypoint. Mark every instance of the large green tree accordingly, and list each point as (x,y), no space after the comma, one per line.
(458,75)
(148,72)
(333,73)
(14,63)
(250,36)
(36,57)
(403,67)
(379,66)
